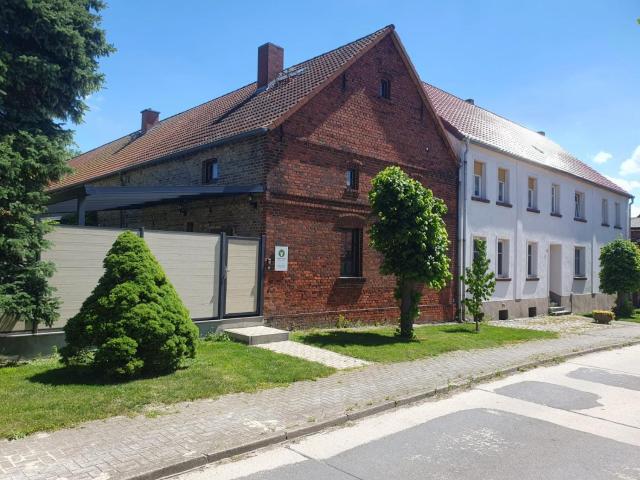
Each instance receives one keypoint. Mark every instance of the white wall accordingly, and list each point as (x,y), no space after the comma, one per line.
(520,226)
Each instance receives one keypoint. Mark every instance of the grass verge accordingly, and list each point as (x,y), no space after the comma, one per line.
(381,344)
(44,395)
(633,318)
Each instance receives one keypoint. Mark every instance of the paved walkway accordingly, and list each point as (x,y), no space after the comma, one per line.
(124,447)
(315,354)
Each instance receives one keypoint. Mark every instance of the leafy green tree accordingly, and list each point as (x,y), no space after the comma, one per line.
(620,271)
(412,238)
(134,319)
(480,282)
(48,65)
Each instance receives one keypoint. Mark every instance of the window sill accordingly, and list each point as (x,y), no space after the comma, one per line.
(503,279)
(480,199)
(580,277)
(533,210)
(617,227)
(532,279)
(554,214)
(578,219)
(350,193)
(504,204)
(352,279)
(605,225)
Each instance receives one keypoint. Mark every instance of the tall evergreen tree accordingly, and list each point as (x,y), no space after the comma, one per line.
(49,51)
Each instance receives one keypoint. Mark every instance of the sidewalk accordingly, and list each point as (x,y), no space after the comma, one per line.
(207,430)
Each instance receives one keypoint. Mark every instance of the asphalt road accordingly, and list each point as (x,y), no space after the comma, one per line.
(576,420)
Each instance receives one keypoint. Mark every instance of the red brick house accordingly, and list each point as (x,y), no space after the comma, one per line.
(290,157)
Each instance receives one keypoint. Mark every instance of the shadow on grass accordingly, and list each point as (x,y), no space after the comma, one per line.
(347,338)
(82,375)
(461,329)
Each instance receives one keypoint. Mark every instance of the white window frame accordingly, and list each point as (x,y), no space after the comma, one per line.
(503,186)
(579,205)
(605,212)
(479,181)
(532,193)
(532,260)
(618,214)
(555,199)
(579,259)
(502,258)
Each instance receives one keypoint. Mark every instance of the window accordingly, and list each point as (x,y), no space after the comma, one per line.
(532,260)
(578,262)
(188,227)
(478,179)
(352,179)
(503,185)
(476,246)
(579,206)
(616,207)
(605,212)
(385,88)
(555,199)
(503,259)
(532,193)
(351,253)
(210,171)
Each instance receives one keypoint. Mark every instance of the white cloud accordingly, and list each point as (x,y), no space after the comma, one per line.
(628,185)
(635,210)
(602,157)
(631,165)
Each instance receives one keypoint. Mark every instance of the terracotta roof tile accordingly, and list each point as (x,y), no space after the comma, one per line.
(495,131)
(238,112)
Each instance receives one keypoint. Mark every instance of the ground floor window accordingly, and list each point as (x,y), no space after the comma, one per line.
(579,261)
(532,260)
(502,260)
(476,246)
(351,252)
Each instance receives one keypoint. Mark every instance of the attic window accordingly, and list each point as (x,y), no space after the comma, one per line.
(385,88)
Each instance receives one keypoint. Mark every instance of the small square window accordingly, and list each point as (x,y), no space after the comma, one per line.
(352,179)
(351,252)
(385,88)
(210,171)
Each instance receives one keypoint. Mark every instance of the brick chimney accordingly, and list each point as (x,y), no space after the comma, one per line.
(270,63)
(149,119)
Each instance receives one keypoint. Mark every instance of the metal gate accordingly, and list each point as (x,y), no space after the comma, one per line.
(241,275)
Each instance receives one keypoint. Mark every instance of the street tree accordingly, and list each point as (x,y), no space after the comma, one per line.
(480,282)
(49,51)
(620,272)
(411,235)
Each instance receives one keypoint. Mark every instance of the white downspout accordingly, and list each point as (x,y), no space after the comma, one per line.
(629,205)
(462,228)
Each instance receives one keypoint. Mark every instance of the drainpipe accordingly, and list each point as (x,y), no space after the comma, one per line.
(630,204)
(462,227)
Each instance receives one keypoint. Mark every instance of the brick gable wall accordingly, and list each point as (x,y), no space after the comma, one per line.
(347,125)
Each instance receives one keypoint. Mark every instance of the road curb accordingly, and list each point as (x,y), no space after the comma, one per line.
(204,459)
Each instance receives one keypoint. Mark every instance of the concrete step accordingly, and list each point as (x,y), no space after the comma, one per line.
(556,308)
(557,313)
(257,335)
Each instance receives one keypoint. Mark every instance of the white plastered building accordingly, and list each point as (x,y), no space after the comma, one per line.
(543,213)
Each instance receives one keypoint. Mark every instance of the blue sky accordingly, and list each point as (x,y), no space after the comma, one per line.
(571,68)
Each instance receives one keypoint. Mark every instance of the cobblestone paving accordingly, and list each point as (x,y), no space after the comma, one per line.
(123,447)
(314,354)
(562,324)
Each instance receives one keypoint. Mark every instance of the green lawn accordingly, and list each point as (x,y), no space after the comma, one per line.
(43,395)
(634,318)
(381,345)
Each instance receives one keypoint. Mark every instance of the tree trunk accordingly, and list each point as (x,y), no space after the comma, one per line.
(407,294)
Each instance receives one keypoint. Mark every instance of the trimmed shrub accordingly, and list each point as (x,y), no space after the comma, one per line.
(603,316)
(134,321)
